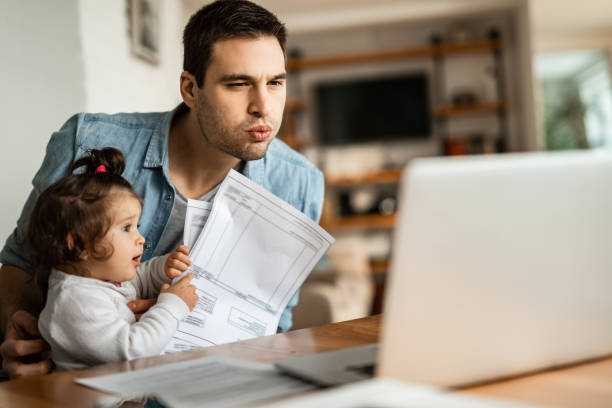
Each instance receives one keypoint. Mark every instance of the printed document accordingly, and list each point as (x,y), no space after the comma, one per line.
(214,381)
(251,256)
(195,218)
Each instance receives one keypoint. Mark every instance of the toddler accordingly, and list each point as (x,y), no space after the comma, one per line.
(84,229)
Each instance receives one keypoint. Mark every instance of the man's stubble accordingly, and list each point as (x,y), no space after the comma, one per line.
(232,141)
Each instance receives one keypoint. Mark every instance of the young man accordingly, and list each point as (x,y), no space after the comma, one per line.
(233,88)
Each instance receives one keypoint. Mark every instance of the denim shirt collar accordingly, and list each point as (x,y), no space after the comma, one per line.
(157,152)
(254,170)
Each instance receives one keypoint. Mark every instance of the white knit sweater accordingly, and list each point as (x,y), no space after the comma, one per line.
(87,322)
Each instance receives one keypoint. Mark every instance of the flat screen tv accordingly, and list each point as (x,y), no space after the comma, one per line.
(371,110)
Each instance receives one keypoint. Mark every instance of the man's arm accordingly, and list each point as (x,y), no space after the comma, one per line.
(18,291)
(20,301)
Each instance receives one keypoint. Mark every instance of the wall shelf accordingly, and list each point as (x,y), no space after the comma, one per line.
(358,222)
(295,64)
(385,176)
(294,105)
(379,266)
(446,111)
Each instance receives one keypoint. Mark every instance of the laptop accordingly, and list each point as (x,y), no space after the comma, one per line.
(501,266)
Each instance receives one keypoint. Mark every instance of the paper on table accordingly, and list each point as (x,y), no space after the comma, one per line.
(253,254)
(195,219)
(212,381)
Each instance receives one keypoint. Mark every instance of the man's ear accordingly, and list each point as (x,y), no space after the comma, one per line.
(189,88)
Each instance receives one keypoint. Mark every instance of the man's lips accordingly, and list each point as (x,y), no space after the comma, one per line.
(260,132)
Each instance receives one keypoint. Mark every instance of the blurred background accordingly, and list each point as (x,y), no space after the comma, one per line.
(371,85)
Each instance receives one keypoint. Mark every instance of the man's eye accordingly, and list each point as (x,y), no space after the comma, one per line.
(237,84)
(275,83)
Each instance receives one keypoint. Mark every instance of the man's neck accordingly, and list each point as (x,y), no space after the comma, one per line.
(195,166)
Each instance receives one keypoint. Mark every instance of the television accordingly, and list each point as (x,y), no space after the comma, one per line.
(371,110)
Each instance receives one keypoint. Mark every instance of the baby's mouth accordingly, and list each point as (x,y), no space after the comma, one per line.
(136,260)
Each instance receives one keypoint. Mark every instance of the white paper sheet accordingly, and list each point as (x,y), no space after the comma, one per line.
(249,260)
(209,381)
(195,218)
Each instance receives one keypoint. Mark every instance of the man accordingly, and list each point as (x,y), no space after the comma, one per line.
(233,88)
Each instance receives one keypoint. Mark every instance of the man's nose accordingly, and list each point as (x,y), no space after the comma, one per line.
(260,103)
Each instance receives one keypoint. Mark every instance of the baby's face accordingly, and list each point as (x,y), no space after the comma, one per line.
(123,236)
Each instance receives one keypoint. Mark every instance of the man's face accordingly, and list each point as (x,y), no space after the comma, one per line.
(240,105)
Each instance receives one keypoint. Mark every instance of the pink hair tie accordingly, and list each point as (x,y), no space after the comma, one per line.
(101,169)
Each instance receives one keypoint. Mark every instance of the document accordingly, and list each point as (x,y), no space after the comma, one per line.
(253,253)
(215,381)
(195,219)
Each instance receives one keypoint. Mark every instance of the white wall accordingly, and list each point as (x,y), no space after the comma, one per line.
(66,56)
(41,78)
(115,79)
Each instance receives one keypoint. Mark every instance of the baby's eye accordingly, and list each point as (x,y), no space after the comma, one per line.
(126,227)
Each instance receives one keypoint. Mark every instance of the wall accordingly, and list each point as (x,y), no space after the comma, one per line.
(42,82)
(69,56)
(115,79)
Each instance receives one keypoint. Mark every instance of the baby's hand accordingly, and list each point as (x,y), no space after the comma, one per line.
(178,262)
(183,290)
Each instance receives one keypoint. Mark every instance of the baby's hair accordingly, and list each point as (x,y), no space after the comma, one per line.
(72,215)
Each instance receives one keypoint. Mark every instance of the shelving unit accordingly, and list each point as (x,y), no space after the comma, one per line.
(442,113)
(360,222)
(438,52)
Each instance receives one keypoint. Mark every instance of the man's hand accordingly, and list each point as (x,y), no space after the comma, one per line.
(178,262)
(140,306)
(22,347)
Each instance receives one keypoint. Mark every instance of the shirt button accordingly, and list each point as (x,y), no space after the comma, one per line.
(168,197)
(147,246)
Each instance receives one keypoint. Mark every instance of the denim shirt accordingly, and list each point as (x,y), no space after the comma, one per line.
(143,139)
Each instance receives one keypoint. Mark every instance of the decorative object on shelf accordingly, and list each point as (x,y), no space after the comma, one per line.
(144,29)
(387,205)
(363,199)
(460,34)
(463,96)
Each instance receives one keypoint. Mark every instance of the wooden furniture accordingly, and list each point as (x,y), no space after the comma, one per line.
(583,385)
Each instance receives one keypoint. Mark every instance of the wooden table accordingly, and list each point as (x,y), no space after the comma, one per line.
(586,385)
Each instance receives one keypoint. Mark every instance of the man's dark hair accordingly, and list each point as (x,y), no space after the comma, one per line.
(224,19)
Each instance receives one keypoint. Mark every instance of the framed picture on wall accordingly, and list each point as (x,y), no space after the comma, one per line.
(144,24)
